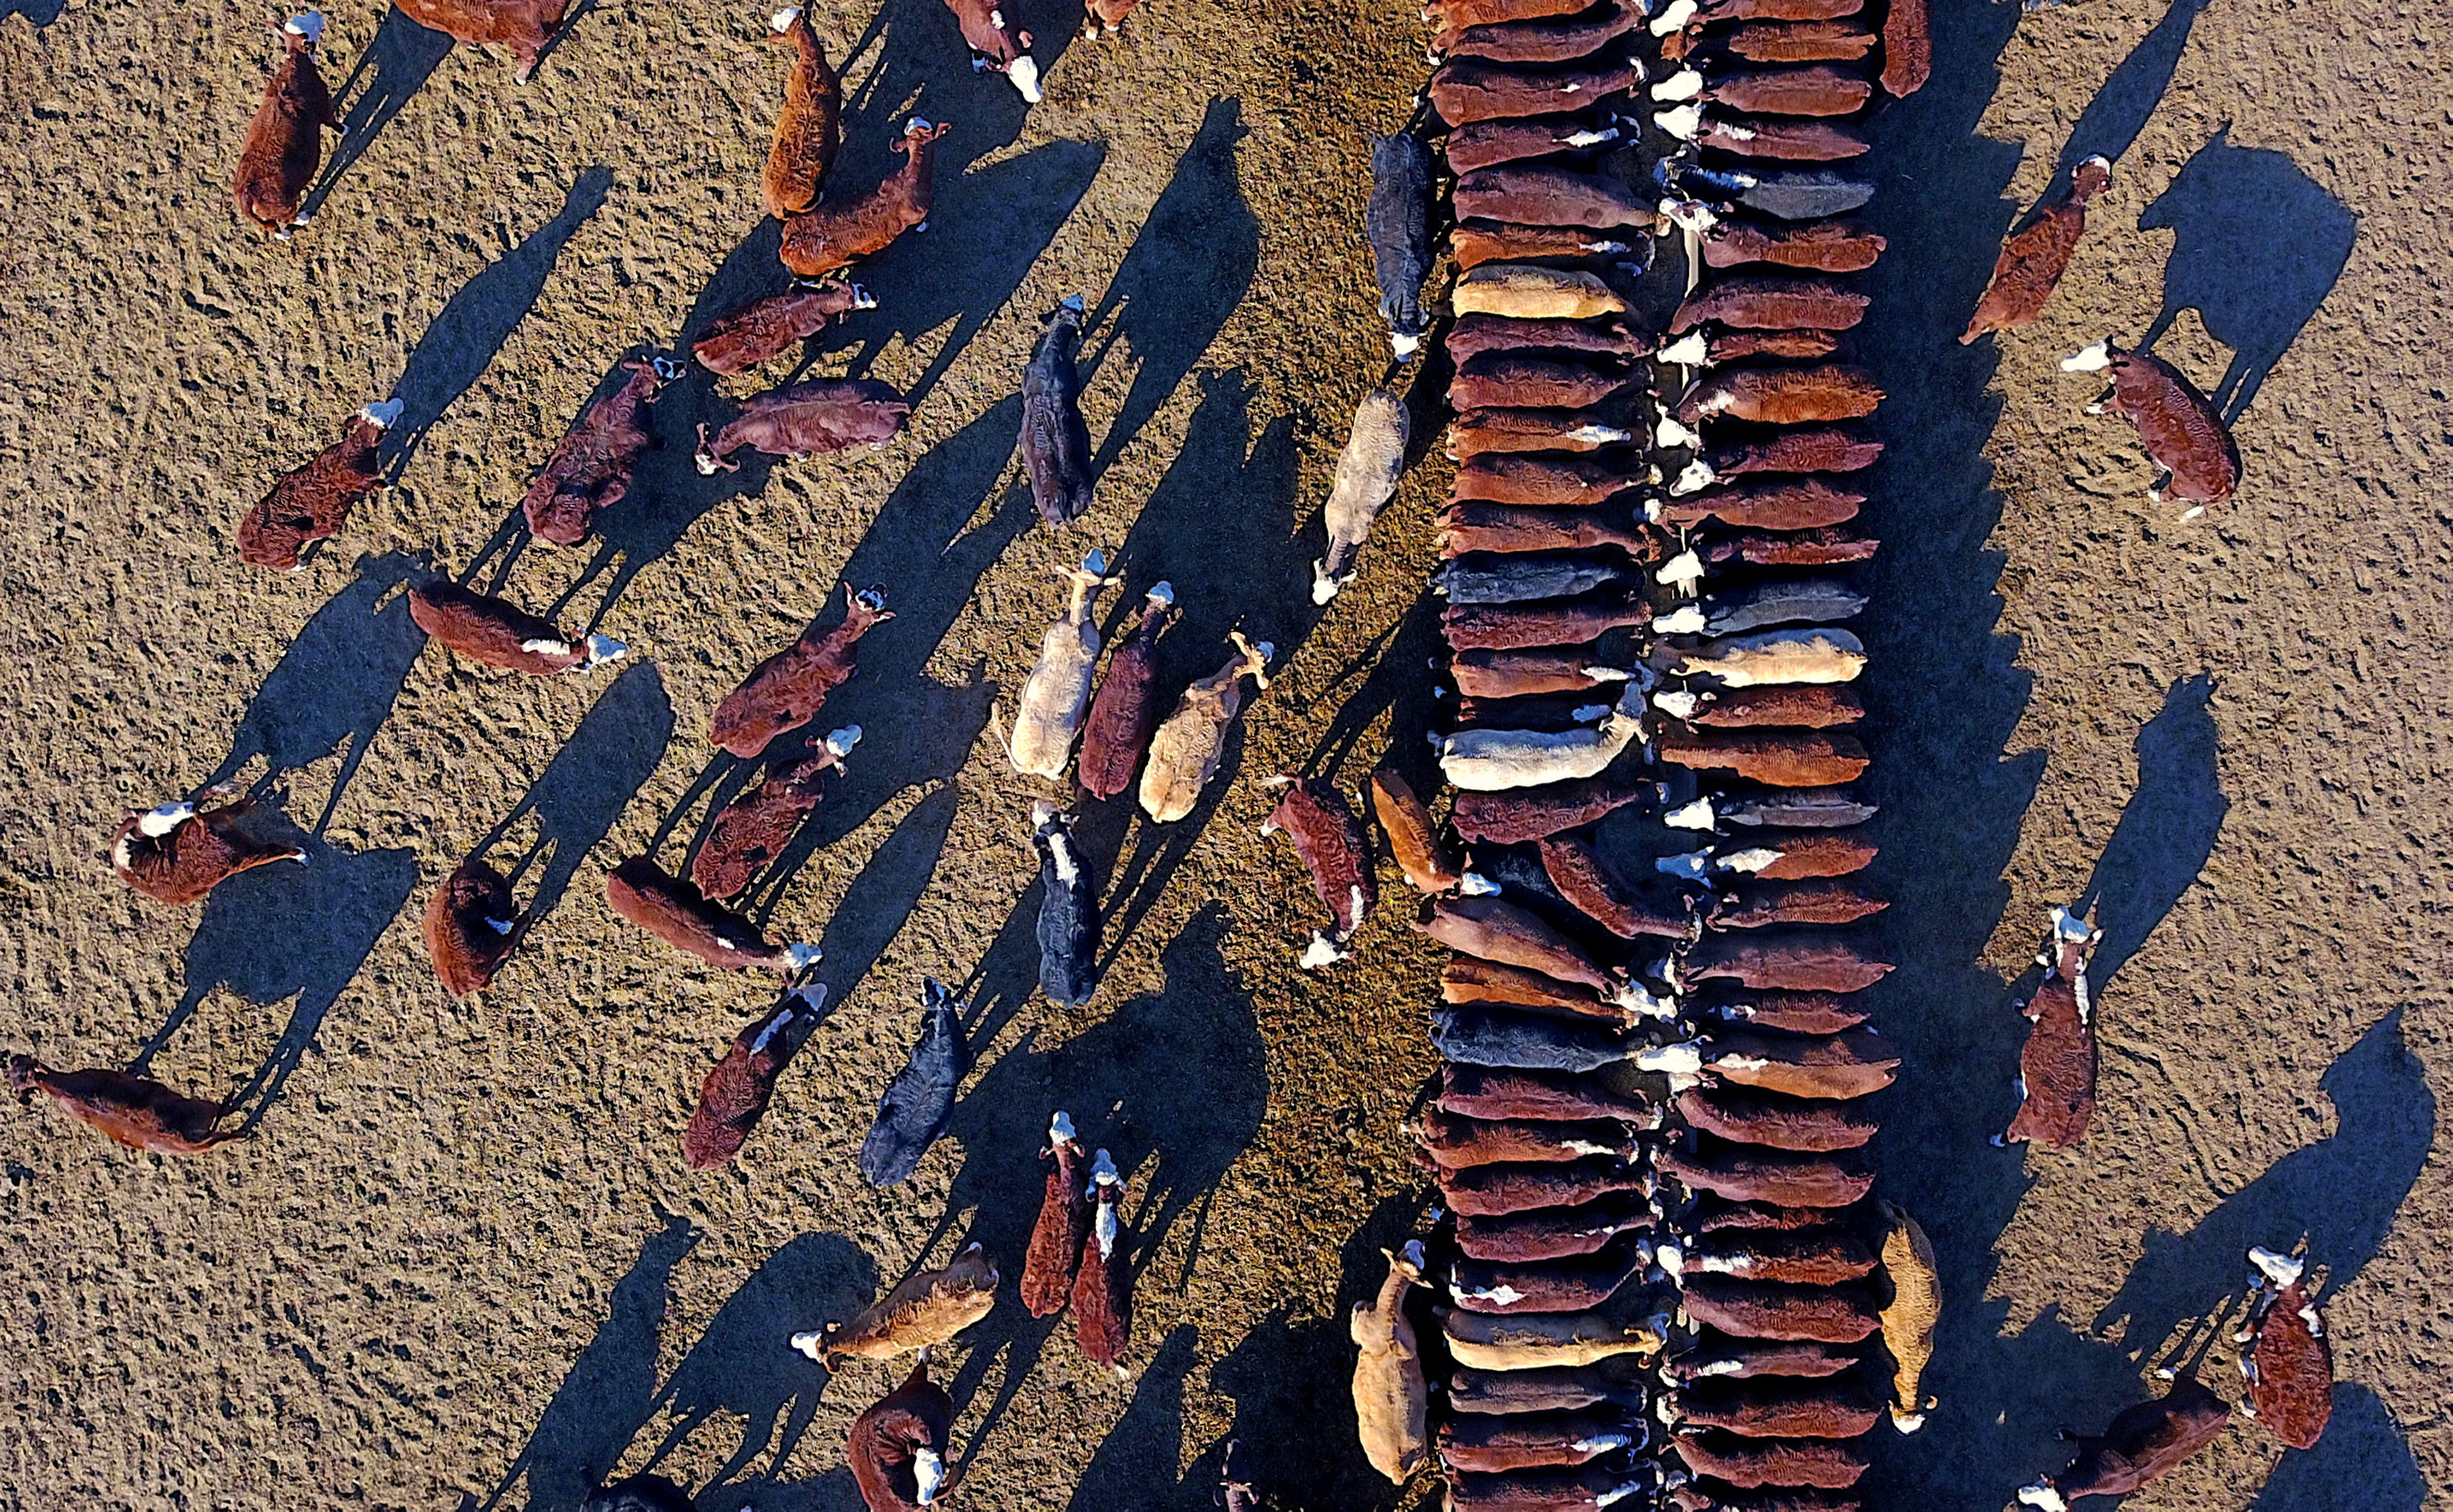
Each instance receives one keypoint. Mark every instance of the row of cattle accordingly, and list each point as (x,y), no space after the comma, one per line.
(1649,1136)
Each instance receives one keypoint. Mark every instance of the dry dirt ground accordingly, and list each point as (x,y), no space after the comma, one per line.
(460,1257)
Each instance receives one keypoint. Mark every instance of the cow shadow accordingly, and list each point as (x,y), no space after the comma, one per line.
(475,321)
(39,12)
(1187,271)
(882,896)
(403,56)
(1134,1465)
(284,932)
(609,1392)
(2362,1463)
(2110,124)
(1394,686)
(337,682)
(2257,245)
(744,1366)
(2166,831)
(575,801)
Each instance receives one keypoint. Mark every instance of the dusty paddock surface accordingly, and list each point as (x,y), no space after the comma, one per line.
(460,1254)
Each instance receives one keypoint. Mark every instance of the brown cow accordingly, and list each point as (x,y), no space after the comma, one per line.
(494,632)
(133,1110)
(786,691)
(2032,262)
(590,469)
(523,25)
(470,925)
(1063,1227)
(753,830)
(746,337)
(903,1442)
(2181,429)
(817,418)
(1103,1297)
(997,44)
(736,1093)
(2056,1065)
(2290,1369)
(2143,1442)
(284,142)
(312,503)
(837,236)
(177,853)
(677,913)
(809,131)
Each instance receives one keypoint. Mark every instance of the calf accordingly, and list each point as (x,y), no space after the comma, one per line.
(2290,1369)
(470,925)
(808,132)
(590,467)
(1912,1314)
(764,328)
(1063,1225)
(132,1110)
(753,830)
(837,236)
(312,503)
(997,46)
(1537,194)
(1827,245)
(1069,912)
(1527,291)
(898,1447)
(2143,1442)
(521,26)
(1124,712)
(737,1089)
(786,691)
(2057,1064)
(677,913)
(2032,262)
(284,142)
(1103,1289)
(928,1309)
(1493,760)
(1184,752)
(1399,228)
(1327,838)
(1842,1314)
(1049,713)
(492,632)
(916,1105)
(2181,429)
(1055,442)
(1367,471)
(801,420)
(1413,838)
(1390,1400)
(177,853)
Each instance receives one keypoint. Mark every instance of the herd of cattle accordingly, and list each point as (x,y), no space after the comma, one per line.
(1649,1136)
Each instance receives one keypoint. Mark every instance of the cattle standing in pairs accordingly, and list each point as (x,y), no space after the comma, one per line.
(2057,1064)
(1103,1299)
(813,419)
(470,925)
(492,632)
(1399,228)
(918,1101)
(764,328)
(1124,712)
(2143,1442)
(808,132)
(1367,471)
(1390,1398)
(1063,1225)
(928,1309)
(1048,714)
(1069,912)
(284,142)
(590,467)
(2290,1369)
(177,853)
(1184,751)
(786,691)
(753,830)
(2180,429)
(838,235)
(524,27)
(1055,442)
(1413,838)
(898,1447)
(312,503)
(997,46)
(735,1094)
(677,913)
(2032,262)
(1327,837)
(132,1110)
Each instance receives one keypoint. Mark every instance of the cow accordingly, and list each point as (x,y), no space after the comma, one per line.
(1575,1284)
(2181,429)
(1049,713)
(132,1110)
(1531,1341)
(590,469)
(1453,1142)
(1782,396)
(2145,1442)
(471,926)
(1823,246)
(1484,759)
(734,1095)
(1576,868)
(177,852)
(312,503)
(1414,842)
(1391,1399)
(1190,742)
(1749,1462)
(838,235)
(1367,471)
(1771,304)
(902,1442)
(2290,1365)
(929,1307)
(2032,262)
(524,27)
(1068,910)
(741,339)
(1486,1092)
(1055,443)
(284,142)
(1774,758)
(1774,1120)
(1100,19)
(1496,1445)
(1555,1233)
(1541,194)
(1854,1063)
(1541,39)
(1907,48)
(916,1105)
(1818,90)
(1466,90)
(1748,1173)
(677,913)
(818,418)
(809,131)
(2056,1065)
(1398,224)
(496,633)
(1529,813)
(1327,837)
(1103,1288)
(1529,291)
(1124,711)
(997,44)
(1494,929)
(1774,1409)
(1814,1256)
(1063,1225)
(754,828)
(1815,655)
(786,691)
(1488,144)
(1912,1314)
(1842,1314)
